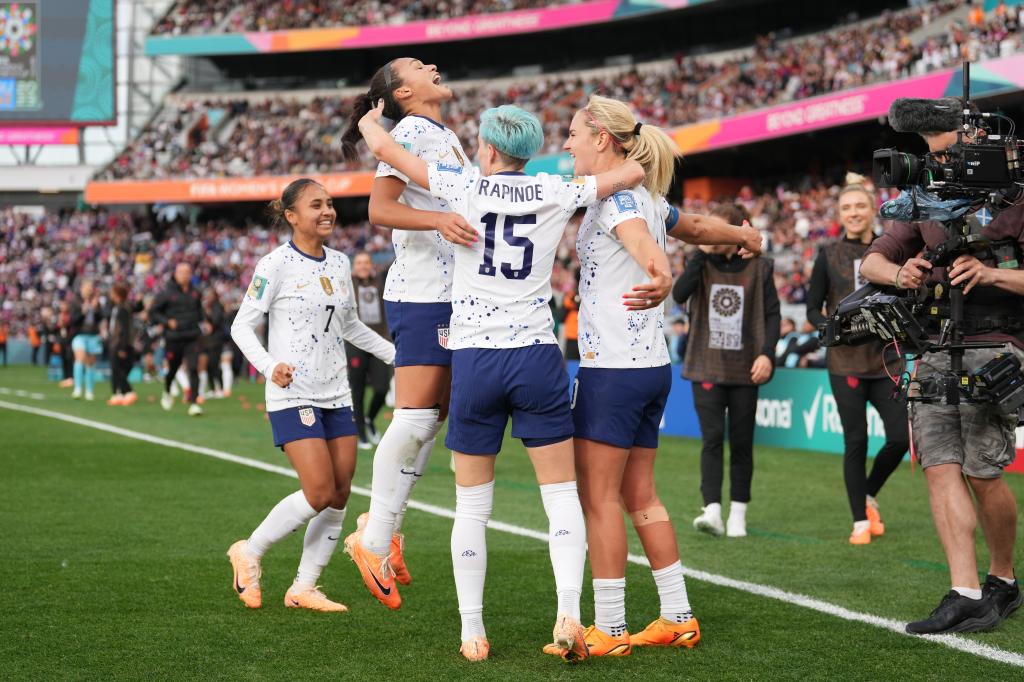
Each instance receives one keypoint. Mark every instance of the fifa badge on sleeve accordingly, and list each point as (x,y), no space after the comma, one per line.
(257,287)
(307,416)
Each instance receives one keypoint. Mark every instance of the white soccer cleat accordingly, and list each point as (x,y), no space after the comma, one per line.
(167,401)
(710,523)
(89,396)
(736,526)
(76,394)
(194,410)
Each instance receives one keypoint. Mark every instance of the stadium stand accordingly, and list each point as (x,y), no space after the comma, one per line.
(224,16)
(205,136)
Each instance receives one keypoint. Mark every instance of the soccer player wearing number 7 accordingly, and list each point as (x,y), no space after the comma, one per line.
(505,359)
(306,289)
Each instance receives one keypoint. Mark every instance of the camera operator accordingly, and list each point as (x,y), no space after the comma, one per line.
(962,448)
(857,373)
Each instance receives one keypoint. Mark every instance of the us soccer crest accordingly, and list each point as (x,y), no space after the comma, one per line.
(325,282)
(442,337)
(307,416)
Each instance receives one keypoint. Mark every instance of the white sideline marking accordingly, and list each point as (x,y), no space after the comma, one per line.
(21,393)
(952,641)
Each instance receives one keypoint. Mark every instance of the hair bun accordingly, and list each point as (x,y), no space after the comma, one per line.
(855,179)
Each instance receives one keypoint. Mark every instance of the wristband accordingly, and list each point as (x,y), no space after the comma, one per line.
(896,279)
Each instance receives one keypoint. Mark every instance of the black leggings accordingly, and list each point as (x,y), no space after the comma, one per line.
(852,397)
(120,368)
(712,402)
(187,351)
(365,368)
(67,359)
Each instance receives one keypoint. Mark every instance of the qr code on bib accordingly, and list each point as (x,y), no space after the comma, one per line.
(724,340)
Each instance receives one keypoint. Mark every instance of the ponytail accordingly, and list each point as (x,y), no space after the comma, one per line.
(646,144)
(382,86)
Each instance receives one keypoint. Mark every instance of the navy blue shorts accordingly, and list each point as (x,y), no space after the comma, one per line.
(296,423)
(420,332)
(490,385)
(621,407)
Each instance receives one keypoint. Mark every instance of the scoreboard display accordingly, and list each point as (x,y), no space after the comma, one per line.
(57,62)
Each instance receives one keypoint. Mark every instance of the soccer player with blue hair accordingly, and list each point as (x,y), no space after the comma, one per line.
(505,359)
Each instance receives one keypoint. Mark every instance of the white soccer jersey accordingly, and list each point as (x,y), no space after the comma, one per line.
(312,310)
(422,271)
(503,282)
(609,334)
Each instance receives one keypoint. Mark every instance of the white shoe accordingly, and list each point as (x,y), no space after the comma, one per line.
(167,401)
(76,394)
(710,523)
(89,396)
(365,445)
(736,527)
(175,389)
(194,410)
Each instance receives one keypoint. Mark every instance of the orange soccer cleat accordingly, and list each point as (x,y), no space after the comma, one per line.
(311,598)
(599,643)
(570,640)
(402,576)
(247,575)
(129,398)
(475,649)
(116,400)
(378,576)
(875,518)
(666,633)
(860,537)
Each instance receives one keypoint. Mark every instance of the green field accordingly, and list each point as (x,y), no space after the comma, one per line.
(113,566)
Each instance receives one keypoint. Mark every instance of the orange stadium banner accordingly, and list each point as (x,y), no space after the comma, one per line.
(219,190)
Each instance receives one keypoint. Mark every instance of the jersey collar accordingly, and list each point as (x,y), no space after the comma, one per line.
(511,173)
(306,255)
(427,118)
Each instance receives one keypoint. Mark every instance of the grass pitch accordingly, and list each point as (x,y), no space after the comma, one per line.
(113,565)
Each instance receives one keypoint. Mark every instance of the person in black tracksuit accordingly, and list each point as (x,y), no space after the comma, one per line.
(734,327)
(857,373)
(365,368)
(179,310)
(212,345)
(120,337)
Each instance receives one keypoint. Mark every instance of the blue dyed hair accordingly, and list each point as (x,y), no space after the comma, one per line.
(512,131)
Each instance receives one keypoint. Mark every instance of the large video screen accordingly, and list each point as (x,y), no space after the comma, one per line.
(57,62)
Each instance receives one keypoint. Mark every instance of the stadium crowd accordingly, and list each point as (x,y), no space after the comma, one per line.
(43,258)
(241,137)
(225,16)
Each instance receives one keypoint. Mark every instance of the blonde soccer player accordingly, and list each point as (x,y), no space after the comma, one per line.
(623,383)
(417,304)
(306,290)
(505,359)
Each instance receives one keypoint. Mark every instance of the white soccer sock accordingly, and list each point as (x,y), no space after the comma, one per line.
(286,517)
(204,382)
(182,378)
(738,511)
(227,376)
(422,458)
(968,592)
(675,605)
(610,605)
(473,507)
(318,545)
(394,473)
(567,543)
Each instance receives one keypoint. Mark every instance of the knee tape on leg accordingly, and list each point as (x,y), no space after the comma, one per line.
(645,517)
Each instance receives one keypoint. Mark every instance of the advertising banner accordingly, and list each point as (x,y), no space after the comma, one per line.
(217,190)
(415,32)
(39,136)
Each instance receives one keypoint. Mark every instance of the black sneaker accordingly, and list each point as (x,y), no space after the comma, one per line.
(1007,598)
(957,613)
